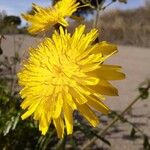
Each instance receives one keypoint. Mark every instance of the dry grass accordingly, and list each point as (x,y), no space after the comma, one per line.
(130,27)
(127,27)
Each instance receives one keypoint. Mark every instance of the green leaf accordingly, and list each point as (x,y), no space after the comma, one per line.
(16,120)
(144,89)
(146,144)
(11,124)
(62,143)
(133,132)
(44,141)
(144,92)
(73,143)
(1,51)
(8,127)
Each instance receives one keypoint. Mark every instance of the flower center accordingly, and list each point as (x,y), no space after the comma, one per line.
(58,69)
(64,72)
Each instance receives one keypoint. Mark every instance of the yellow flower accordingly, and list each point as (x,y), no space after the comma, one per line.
(67,73)
(44,18)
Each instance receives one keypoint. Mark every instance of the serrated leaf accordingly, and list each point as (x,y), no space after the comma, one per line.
(146,144)
(7,129)
(43,141)
(16,120)
(144,89)
(145,95)
(133,132)
(1,51)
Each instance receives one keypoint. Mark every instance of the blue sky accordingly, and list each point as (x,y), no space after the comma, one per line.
(130,4)
(16,7)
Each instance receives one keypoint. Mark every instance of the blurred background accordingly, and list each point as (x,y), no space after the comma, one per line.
(117,23)
(125,23)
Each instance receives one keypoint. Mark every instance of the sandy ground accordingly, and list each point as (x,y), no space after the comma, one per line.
(136,65)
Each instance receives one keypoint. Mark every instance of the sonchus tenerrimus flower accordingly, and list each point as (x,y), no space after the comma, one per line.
(44,18)
(67,73)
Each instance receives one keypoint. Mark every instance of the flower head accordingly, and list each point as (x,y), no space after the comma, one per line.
(67,73)
(44,18)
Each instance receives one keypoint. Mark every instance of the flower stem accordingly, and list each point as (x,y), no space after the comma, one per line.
(62,143)
(97,15)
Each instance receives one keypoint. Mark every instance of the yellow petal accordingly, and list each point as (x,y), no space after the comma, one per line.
(43,123)
(26,103)
(110,67)
(105,88)
(109,74)
(68,116)
(88,114)
(30,111)
(69,99)
(79,97)
(58,106)
(105,48)
(59,125)
(90,81)
(97,104)
(63,22)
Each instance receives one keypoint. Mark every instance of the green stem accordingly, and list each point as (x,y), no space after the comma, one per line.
(62,143)
(117,117)
(98,9)
(107,5)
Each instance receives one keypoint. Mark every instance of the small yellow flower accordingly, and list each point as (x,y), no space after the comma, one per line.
(67,73)
(44,18)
